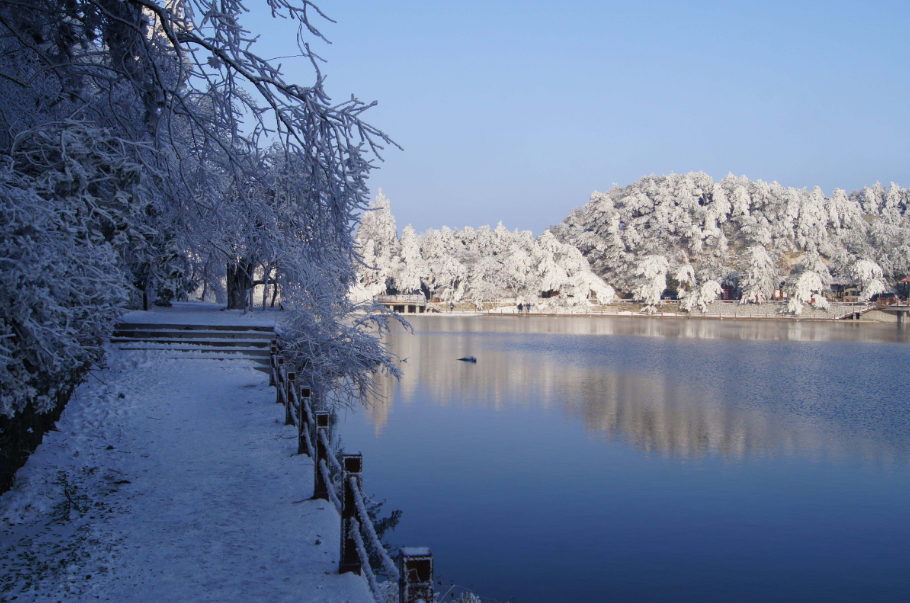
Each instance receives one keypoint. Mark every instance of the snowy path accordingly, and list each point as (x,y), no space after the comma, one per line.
(200,498)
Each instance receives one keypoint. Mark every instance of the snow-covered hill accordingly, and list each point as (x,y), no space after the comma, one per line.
(751,235)
(682,233)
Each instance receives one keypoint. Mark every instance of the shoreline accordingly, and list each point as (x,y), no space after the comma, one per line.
(719,310)
(460,314)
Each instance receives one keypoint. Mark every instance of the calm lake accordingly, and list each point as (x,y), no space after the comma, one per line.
(594,459)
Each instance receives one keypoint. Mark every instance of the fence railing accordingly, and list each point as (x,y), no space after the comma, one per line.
(341,483)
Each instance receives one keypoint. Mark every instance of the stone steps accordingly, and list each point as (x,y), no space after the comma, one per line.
(244,343)
(148,333)
(221,343)
(189,327)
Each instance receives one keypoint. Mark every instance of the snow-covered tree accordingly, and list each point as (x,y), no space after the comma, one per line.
(481,265)
(60,294)
(805,289)
(717,228)
(122,120)
(377,236)
(700,297)
(684,275)
(378,225)
(447,275)
(412,269)
(869,275)
(709,292)
(652,280)
(760,275)
(746,235)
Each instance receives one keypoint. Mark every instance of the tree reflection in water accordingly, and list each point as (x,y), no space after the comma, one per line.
(673,386)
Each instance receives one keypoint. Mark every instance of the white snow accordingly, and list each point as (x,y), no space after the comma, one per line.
(742,233)
(184,485)
(203,314)
(470,265)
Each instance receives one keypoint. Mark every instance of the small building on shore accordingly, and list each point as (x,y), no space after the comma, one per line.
(845,291)
(903,288)
(404,304)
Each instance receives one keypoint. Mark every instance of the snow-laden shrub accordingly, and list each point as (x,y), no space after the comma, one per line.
(60,289)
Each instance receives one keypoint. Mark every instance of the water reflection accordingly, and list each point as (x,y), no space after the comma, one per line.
(731,329)
(697,388)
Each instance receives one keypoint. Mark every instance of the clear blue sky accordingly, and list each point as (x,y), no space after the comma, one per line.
(517,111)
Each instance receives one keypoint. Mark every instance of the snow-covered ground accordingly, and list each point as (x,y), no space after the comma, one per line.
(203,313)
(171,481)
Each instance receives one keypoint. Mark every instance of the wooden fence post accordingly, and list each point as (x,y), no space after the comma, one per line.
(280,385)
(317,399)
(415,567)
(320,487)
(273,353)
(303,422)
(289,399)
(352,467)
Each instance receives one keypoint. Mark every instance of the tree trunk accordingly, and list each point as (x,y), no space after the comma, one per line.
(239,282)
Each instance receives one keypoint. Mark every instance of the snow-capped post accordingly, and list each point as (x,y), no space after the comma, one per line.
(352,467)
(289,399)
(321,488)
(415,566)
(303,422)
(279,386)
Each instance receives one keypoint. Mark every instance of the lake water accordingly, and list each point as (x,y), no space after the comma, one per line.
(595,459)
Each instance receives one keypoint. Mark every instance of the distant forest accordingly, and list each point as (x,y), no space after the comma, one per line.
(681,234)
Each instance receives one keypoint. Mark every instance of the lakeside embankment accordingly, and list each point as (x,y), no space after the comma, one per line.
(714,310)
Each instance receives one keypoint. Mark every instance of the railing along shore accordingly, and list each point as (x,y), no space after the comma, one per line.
(341,483)
(670,309)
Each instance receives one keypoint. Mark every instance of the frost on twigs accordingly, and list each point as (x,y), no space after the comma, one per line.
(59,292)
(146,150)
